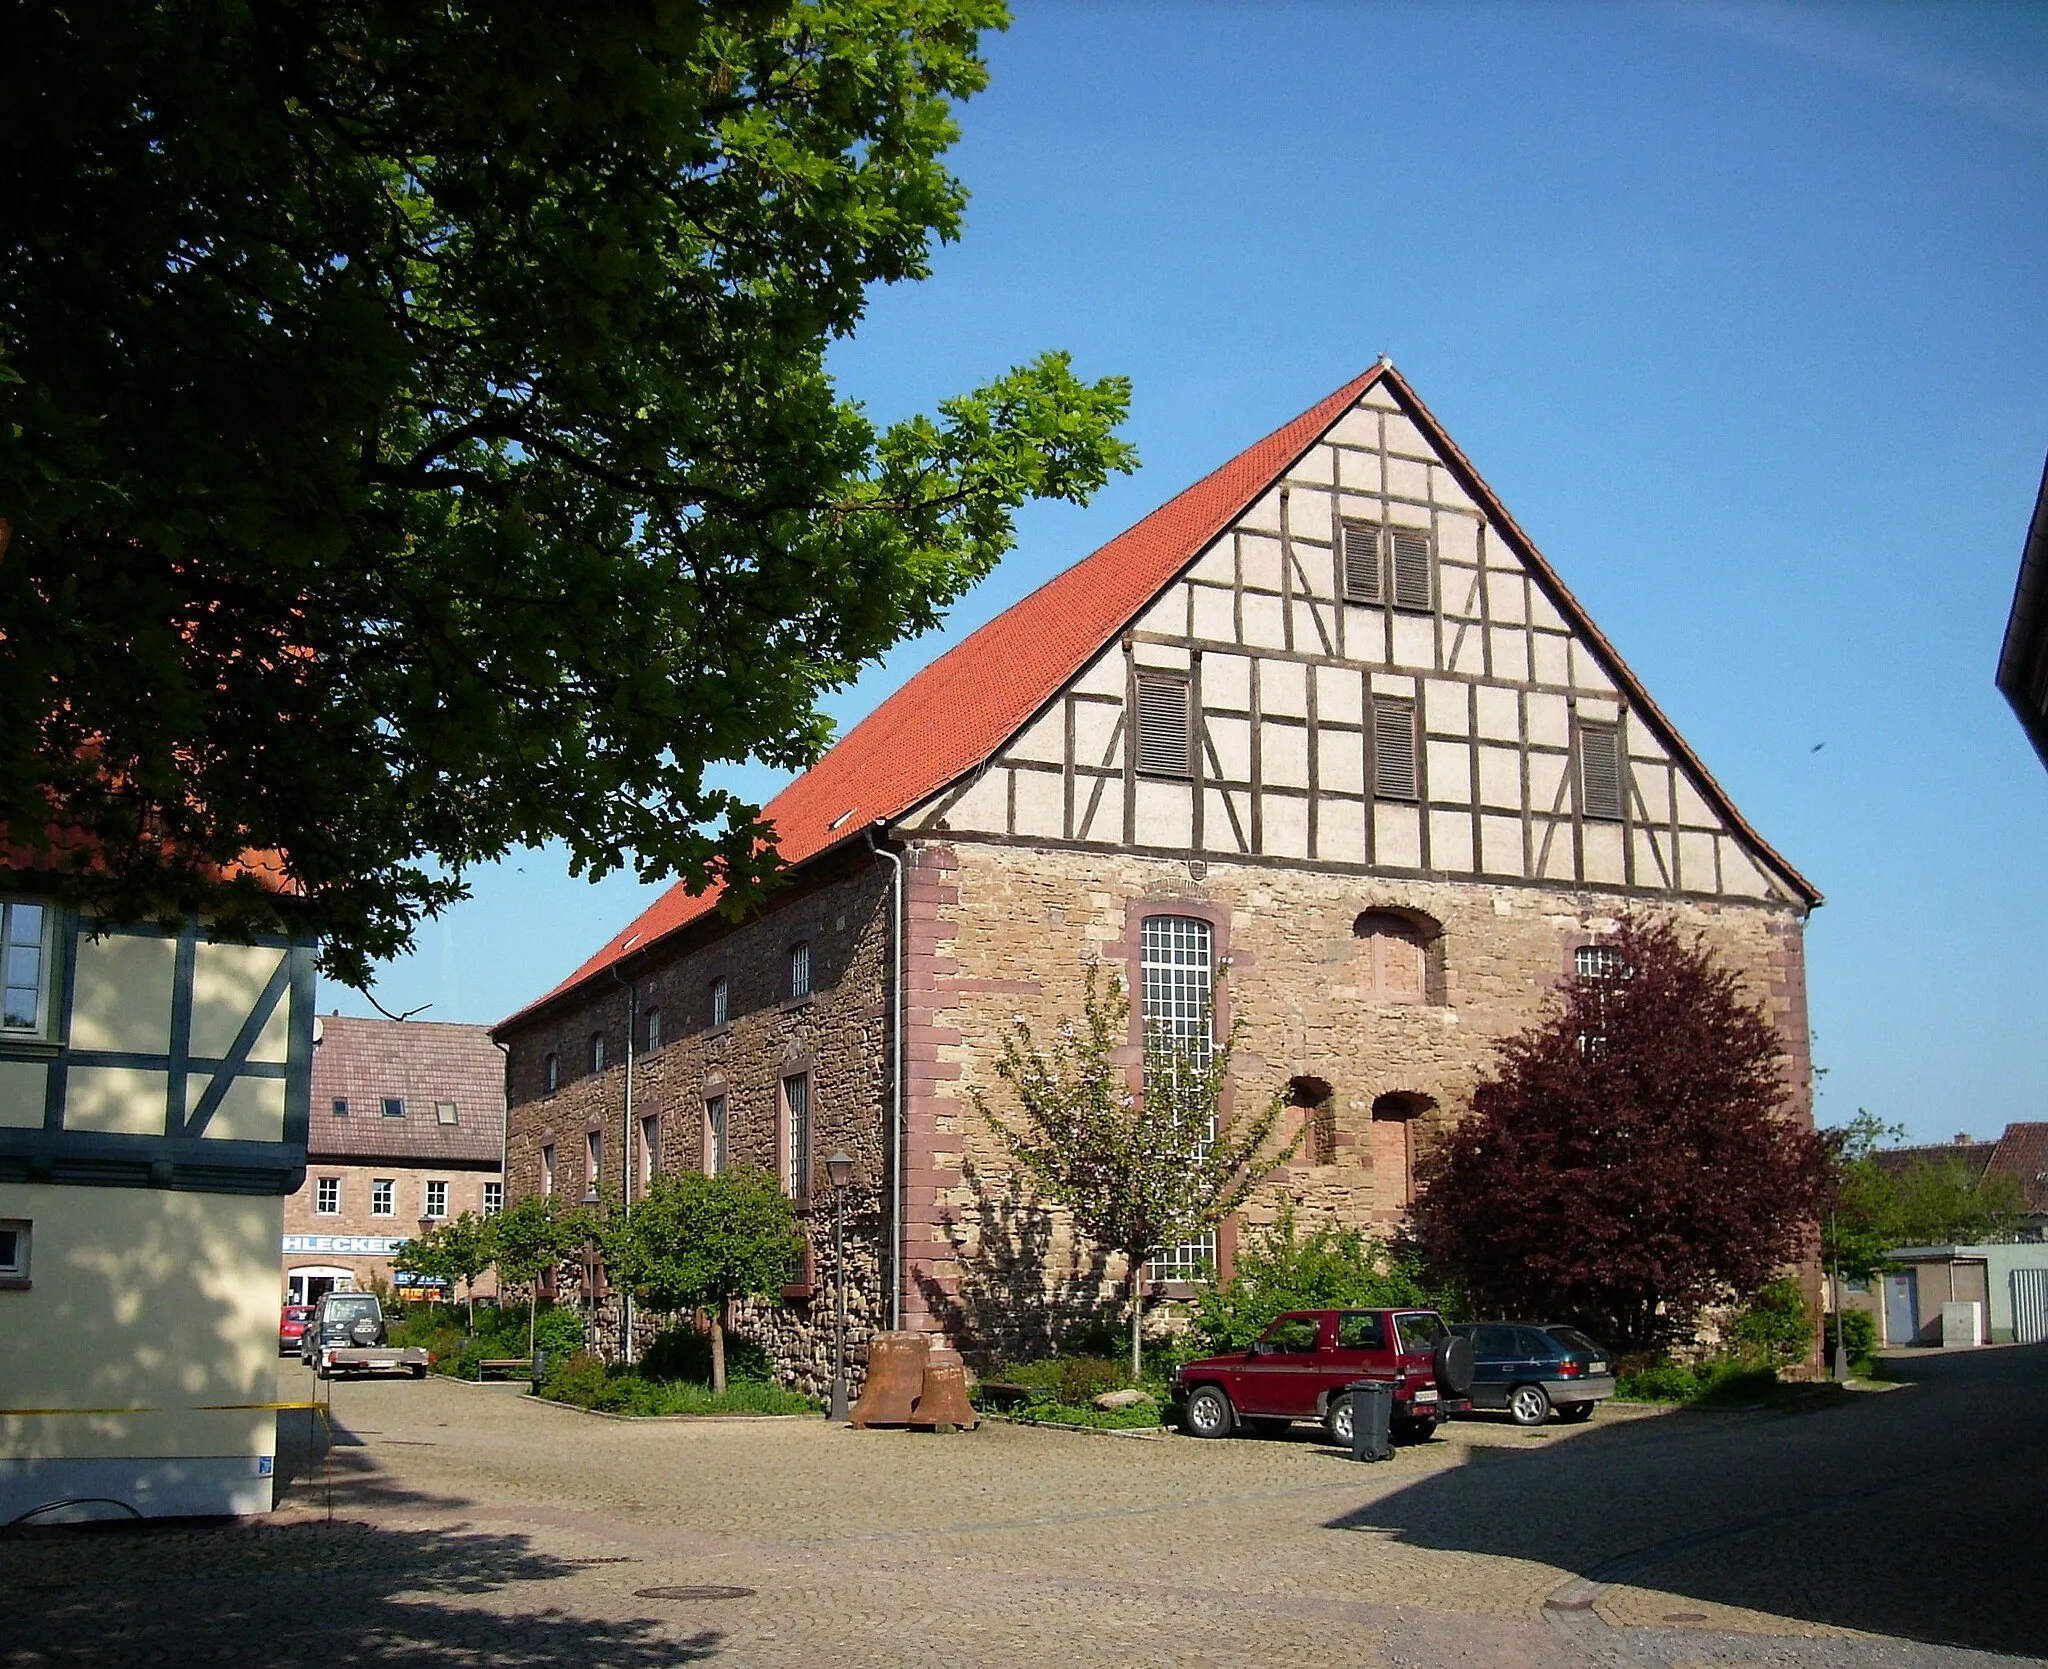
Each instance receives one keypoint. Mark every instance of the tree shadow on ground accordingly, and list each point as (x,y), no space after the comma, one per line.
(1914,1513)
(1023,1289)
(307,1596)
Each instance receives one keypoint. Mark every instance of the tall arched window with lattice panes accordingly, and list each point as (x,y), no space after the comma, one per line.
(1176,980)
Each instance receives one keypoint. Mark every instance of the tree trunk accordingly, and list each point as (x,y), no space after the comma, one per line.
(469,1298)
(532,1311)
(1137,1279)
(718,1351)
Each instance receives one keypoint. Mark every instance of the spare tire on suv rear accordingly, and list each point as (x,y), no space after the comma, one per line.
(1453,1364)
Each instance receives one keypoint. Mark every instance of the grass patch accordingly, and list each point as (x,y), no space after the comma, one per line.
(587,1382)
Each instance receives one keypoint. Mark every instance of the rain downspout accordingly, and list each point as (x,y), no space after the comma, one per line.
(896,1235)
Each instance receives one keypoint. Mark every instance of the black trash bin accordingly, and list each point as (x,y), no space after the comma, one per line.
(1372,1418)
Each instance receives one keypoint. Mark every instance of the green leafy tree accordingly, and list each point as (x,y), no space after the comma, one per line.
(1283,1269)
(416,439)
(530,1237)
(1859,1220)
(1139,1169)
(701,1242)
(1938,1202)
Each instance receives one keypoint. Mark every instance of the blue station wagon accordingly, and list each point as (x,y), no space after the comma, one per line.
(1527,1369)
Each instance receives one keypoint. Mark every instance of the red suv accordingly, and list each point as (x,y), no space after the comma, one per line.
(1301,1364)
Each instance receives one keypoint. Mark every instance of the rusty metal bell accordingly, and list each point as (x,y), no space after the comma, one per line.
(943,1401)
(895,1381)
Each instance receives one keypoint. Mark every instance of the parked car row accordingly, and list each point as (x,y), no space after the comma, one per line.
(1300,1368)
(346,1332)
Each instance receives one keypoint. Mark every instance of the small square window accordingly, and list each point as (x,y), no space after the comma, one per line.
(445,1113)
(494,1198)
(14,1237)
(327,1196)
(341,1106)
(437,1199)
(394,1106)
(383,1193)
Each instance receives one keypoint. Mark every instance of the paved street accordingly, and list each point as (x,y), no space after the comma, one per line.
(473,1527)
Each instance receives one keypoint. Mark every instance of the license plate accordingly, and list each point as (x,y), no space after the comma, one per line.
(1425,1396)
(1596,1367)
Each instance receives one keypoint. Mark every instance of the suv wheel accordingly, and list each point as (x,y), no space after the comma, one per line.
(1528,1405)
(1209,1412)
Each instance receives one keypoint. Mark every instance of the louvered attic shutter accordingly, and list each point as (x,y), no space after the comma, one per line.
(1163,739)
(1600,771)
(1361,562)
(1393,748)
(1411,570)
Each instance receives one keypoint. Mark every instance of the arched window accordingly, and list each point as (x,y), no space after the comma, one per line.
(1393,1152)
(799,970)
(1176,975)
(1395,953)
(1318,1104)
(551,1071)
(597,1051)
(721,992)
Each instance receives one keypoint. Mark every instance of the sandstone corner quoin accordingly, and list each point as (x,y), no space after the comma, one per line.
(1326,721)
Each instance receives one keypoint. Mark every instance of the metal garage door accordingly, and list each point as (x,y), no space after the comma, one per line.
(2030,1305)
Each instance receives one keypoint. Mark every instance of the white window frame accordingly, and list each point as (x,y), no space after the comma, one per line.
(45,954)
(1176,985)
(384,1189)
(800,971)
(431,1204)
(493,1198)
(796,1113)
(721,1002)
(447,1113)
(717,1131)
(324,1189)
(15,1270)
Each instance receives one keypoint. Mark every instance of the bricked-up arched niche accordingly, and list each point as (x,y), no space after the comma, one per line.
(1318,1105)
(1393,1151)
(1402,953)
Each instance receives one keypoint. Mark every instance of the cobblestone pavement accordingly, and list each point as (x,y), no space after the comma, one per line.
(453,1527)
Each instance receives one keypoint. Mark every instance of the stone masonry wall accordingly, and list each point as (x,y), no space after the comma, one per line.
(1000,930)
(838,1035)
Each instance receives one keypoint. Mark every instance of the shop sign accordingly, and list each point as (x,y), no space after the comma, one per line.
(343,1245)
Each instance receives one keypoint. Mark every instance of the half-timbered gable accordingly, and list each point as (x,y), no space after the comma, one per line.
(1372,667)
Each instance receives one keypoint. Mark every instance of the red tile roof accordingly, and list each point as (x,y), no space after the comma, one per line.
(952,716)
(2022,1154)
(420,1063)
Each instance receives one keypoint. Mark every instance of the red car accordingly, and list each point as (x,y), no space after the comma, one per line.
(1302,1362)
(291,1327)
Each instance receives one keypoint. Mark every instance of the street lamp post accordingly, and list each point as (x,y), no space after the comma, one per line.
(840,1169)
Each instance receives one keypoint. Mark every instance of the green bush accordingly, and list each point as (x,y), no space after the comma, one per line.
(1327,1269)
(1859,1336)
(1775,1327)
(683,1353)
(586,1381)
(1086,1414)
(1724,1379)
(1083,1378)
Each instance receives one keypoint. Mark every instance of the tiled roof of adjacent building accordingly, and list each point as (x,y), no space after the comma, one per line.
(2022,1154)
(421,1065)
(954,715)
(1972,1156)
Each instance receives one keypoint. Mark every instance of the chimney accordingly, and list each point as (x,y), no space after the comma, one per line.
(1964,1139)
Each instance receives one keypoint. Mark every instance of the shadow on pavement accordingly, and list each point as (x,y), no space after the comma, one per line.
(305,1596)
(1916,1513)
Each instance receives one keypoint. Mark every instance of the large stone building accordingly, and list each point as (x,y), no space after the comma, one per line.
(1327,719)
(406,1130)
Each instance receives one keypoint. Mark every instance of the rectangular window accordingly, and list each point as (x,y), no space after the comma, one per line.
(1362,562)
(494,1198)
(25,955)
(14,1238)
(437,1199)
(445,1113)
(593,1162)
(1600,772)
(650,1151)
(1411,564)
(1176,971)
(1165,737)
(547,1169)
(653,1030)
(327,1196)
(597,1051)
(341,1106)
(714,1135)
(1393,748)
(796,1106)
(720,989)
(383,1194)
(394,1106)
(799,971)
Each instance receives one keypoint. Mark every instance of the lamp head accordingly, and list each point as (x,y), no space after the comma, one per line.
(840,1168)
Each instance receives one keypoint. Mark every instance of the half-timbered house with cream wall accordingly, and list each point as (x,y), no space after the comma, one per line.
(1328,720)
(153,1096)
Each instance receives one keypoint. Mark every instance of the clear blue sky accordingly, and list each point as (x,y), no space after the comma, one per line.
(1742,309)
